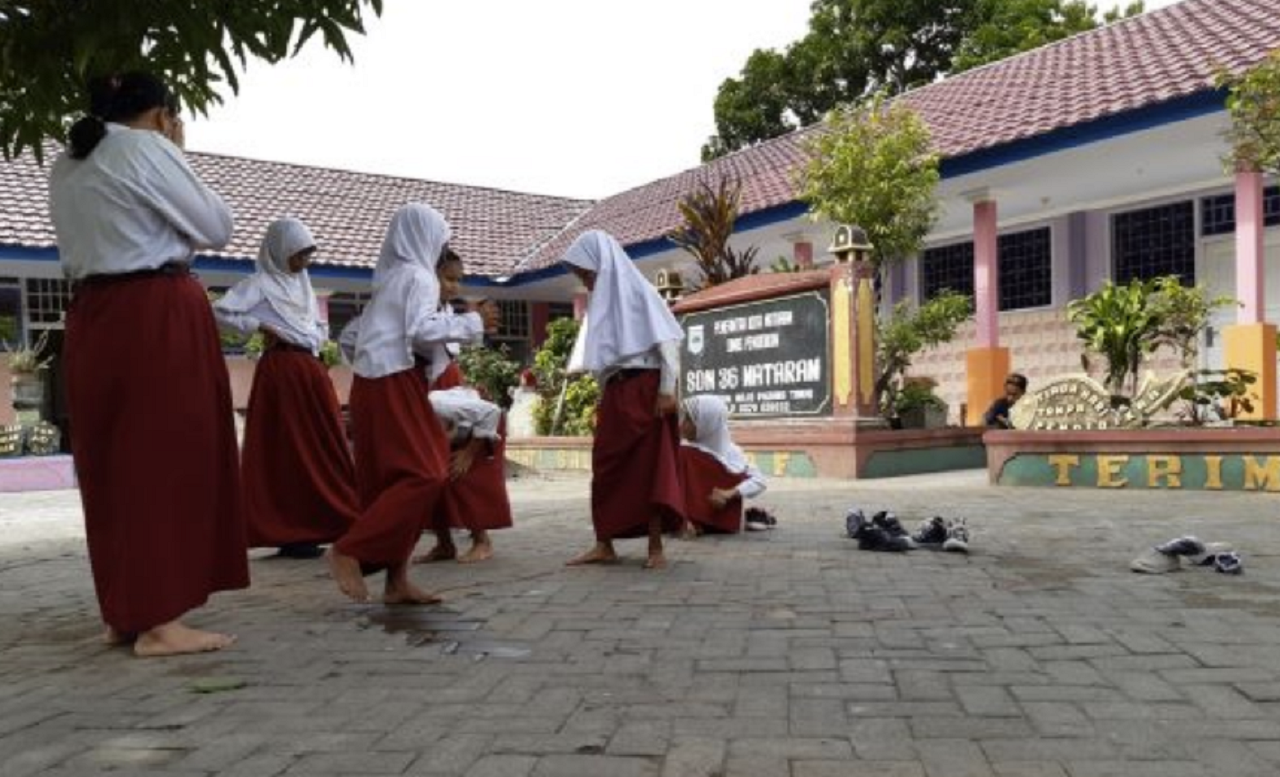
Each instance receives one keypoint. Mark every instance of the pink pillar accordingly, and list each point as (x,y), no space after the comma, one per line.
(322,305)
(1249,241)
(579,305)
(986,283)
(802,254)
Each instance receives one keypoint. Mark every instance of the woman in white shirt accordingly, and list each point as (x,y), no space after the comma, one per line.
(716,474)
(299,481)
(147,388)
(631,343)
(401,454)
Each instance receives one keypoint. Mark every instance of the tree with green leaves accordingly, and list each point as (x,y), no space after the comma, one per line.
(1253,101)
(871,165)
(49,49)
(858,47)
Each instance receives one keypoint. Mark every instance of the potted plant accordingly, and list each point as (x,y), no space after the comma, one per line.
(917,407)
(26,366)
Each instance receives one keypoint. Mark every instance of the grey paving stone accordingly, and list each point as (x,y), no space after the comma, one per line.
(695,758)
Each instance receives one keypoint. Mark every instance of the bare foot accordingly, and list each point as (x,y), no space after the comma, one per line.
(600,554)
(689,531)
(116,638)
(346,573)
(656,561)
(438,553)
(404,592)
(175,639)
(479,551)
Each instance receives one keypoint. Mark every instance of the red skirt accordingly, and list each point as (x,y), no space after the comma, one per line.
(478,500)
(154,445)
(401,466)
(701,472)
(299,481)
(634,461)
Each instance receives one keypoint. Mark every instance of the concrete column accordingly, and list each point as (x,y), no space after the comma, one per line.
(986,364)
(1251,343)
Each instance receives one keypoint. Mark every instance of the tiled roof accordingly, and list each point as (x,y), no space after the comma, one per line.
(347,211)
(1149,59)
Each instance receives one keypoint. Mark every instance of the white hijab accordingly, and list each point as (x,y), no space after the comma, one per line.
(288,293)
(405,287)
(415,241)
(710,417)
(627,316)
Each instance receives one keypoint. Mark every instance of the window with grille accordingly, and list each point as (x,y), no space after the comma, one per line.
(47,301)
(1026,269)
(1153,242)
(514,322)
(559,310)
(1218,214)
(947,267)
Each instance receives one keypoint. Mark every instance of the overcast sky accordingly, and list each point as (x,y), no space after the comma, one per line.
(580,98)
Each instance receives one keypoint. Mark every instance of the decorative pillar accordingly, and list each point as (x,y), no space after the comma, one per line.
(579,305)
(853,310)
(1250,344)
(986,364)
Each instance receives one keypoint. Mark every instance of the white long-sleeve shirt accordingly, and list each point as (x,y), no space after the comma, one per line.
(465,414)
(133,204)
(664,357)
(264,314)
(403,318)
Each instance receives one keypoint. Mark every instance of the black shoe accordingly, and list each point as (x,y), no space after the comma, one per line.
(890,523)
(300,550)
(931,532)
(1182,546)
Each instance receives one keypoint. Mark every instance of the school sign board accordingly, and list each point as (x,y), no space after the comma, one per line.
(766,359)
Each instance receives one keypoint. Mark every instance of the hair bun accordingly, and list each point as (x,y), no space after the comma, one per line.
(85,136)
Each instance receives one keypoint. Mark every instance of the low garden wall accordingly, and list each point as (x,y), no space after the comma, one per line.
(1190,458)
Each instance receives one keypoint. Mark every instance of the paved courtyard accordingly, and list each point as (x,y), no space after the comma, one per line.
(773,654)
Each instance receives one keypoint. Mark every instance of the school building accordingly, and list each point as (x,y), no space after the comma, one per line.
(1098,157)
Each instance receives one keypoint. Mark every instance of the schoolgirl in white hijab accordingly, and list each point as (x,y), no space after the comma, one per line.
(400,450)
(278,297)
(630,341)
(705,427)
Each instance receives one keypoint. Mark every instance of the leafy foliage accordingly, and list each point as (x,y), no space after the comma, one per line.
(1119,324)
(491,371)
(873,167)
(855,48)
(1124,324)
(51,48)
(1218,395)
(709,215)
(1253,101)
(908,331)
(567,404)
(784,264)
(31,359)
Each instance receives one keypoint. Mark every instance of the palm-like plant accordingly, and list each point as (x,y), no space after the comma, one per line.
(709,217)
(1120,324)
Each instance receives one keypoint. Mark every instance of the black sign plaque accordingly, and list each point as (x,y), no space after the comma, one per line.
(766,359)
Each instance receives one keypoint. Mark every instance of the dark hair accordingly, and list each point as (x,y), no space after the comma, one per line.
(119,98)
(447,255)
(1017,379)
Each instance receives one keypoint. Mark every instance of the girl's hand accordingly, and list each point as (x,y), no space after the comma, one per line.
(666,405)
